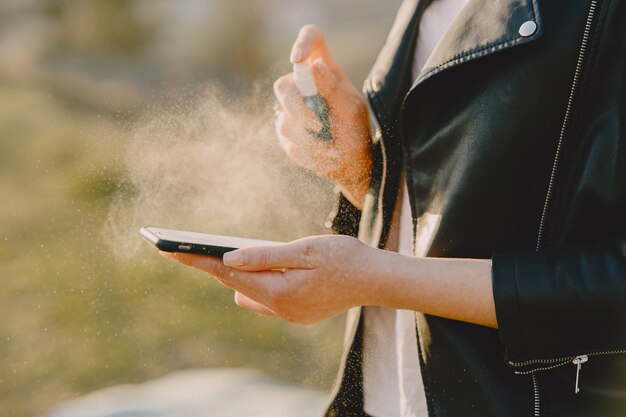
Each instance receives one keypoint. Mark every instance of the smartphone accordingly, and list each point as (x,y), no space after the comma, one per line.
(169,240)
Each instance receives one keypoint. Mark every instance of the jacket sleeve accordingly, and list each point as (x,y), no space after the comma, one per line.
(561,302)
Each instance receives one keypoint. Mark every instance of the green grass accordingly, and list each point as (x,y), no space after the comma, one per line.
(74,317)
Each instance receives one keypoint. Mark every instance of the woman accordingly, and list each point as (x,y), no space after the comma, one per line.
(491,153)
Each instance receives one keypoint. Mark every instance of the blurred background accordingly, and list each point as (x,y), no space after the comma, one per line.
(116,114)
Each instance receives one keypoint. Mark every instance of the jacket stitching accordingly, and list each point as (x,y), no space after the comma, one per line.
(535,10)
(469,55)
(480,52)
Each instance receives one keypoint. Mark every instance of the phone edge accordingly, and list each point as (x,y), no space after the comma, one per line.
(193,248)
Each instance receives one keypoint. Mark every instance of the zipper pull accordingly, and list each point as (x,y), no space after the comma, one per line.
(578,361)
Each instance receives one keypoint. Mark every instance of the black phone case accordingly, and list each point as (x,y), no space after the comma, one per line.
(185,247)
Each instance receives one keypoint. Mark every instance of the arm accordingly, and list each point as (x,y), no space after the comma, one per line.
(318,277)
(557,303)
(562,302)
(323,276)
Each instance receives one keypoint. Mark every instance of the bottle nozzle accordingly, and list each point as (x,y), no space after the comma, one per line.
(304,79)
(305,83)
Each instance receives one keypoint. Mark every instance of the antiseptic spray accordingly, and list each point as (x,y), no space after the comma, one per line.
(305,82)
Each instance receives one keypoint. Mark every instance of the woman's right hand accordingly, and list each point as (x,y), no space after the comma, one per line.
(346,160)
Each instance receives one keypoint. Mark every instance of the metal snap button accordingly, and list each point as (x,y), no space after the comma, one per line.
(527,28)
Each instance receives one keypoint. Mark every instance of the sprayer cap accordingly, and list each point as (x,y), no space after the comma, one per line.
(304,79)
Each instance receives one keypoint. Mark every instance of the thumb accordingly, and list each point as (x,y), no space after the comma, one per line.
(325,80)
(266,258)
(310,44)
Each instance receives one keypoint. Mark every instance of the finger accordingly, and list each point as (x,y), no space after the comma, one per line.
(167,255)
(291,102)
(295,255)
(298,142)
(249,304)
(209,264)
(287,145)
(310,44)
(251,286)
(254,285)
(308,157)
(325,80)
(299,157)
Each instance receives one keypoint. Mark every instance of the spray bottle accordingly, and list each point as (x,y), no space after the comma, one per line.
(305,83)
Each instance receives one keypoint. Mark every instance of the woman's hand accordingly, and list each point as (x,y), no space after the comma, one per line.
(304,281)
(346,160)
(318,277)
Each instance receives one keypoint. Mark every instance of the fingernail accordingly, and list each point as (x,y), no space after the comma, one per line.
(296,55)
(233,259)
(167,255)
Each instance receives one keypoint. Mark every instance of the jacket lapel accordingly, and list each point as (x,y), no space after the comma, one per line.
(482,28)
(389,80)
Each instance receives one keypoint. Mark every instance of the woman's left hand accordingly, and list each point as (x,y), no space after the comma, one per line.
(304,281)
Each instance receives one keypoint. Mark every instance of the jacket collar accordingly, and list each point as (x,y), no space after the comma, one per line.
(483,27)
(389,79)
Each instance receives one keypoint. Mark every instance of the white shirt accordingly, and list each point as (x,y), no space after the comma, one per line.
(392,381)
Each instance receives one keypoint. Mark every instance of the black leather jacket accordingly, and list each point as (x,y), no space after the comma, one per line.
(515,135)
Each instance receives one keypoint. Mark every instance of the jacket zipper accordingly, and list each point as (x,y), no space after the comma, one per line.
(566,121)
(553,363)
(537,407)
(541,235)
(537,365)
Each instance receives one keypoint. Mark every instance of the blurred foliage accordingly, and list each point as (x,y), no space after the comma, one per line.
(241,57)
(106,26)
(74,77)
(80,319)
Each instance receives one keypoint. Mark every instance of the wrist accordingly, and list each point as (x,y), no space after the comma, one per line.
(373,286)
(356,189)
(356,197)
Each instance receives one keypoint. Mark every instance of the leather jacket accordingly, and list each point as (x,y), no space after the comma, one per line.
(514,138)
